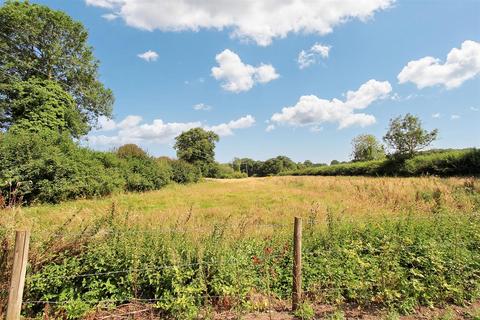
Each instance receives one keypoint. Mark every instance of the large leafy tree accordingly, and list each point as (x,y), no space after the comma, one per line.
(366,148)
(197,146)
(406,135)
(36,105)
(38,42)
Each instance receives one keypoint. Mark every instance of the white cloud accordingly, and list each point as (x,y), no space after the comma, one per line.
(260,21)
(436,115)
(202,106)
(312,111)
(110,16)
(454,117)
(148,56)
(105,124)
(226,129)
(474,109)
(310,56)
(461,65)
(237,76)
(132,130)
(270,127)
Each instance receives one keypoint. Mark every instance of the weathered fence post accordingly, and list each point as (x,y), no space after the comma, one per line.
(17,283)
(297,264)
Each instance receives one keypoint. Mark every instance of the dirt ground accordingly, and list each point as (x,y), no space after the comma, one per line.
(142,311)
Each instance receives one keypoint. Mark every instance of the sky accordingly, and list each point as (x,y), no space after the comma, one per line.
(299,78)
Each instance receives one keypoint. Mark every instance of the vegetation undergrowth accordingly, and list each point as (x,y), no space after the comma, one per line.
(396,264)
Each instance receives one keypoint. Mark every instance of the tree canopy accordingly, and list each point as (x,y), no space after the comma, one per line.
(197,146)
(38,42)
(406,135)
(38,104)
(366,148)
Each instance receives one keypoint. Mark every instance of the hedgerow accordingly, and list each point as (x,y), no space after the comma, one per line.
(442,163)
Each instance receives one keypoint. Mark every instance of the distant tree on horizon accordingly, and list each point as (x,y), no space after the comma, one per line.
(406,136)
(366,147)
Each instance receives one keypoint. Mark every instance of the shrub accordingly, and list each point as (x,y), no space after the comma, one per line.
(131,150)
(144,174)
(442,163)
(225,171)
(50,167)
(184,172)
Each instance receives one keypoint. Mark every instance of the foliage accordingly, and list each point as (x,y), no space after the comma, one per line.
(49,167)
(197,146)
(442,163)
(37,105)
(131,150)
(268,167)
(184,172)
(406,135)
(38,42)
(144,174)
(396,264)
(225,171)
(305,311)
(366,148)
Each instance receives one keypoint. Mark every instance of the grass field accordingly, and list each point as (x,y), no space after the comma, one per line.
(258,200)
(388,243)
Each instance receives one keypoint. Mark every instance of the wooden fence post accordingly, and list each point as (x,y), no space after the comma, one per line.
(17,283)
(297,264)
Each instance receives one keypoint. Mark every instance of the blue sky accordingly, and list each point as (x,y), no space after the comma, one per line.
(363,62)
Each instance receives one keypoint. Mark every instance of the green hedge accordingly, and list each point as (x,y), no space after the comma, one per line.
(464,162)
(48,167)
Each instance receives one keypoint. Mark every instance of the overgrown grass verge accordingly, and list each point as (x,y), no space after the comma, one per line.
(386,263)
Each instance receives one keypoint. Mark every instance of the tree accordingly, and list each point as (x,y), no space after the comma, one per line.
(406,135)
(38,42)
(366,148)
(334,162)
(131,150)
(197,146)
(36,104)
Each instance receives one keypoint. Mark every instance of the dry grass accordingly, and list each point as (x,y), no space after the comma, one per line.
(248,202)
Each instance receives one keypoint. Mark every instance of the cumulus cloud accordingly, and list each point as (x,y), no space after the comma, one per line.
(474,109)
(202,106)
(461,65)
(454,117)
(311,110)
(237,76)
(310,56)
(226,129)
(148,56)
(436,115)
(132,130)
(260,21)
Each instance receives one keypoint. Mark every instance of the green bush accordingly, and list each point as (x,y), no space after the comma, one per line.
(442,163)
(144,174)
(225,171)
(50,167)
(184,172)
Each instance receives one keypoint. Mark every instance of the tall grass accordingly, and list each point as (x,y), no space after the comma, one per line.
(411,242)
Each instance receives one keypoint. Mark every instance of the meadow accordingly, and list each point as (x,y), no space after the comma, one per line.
(190,251)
